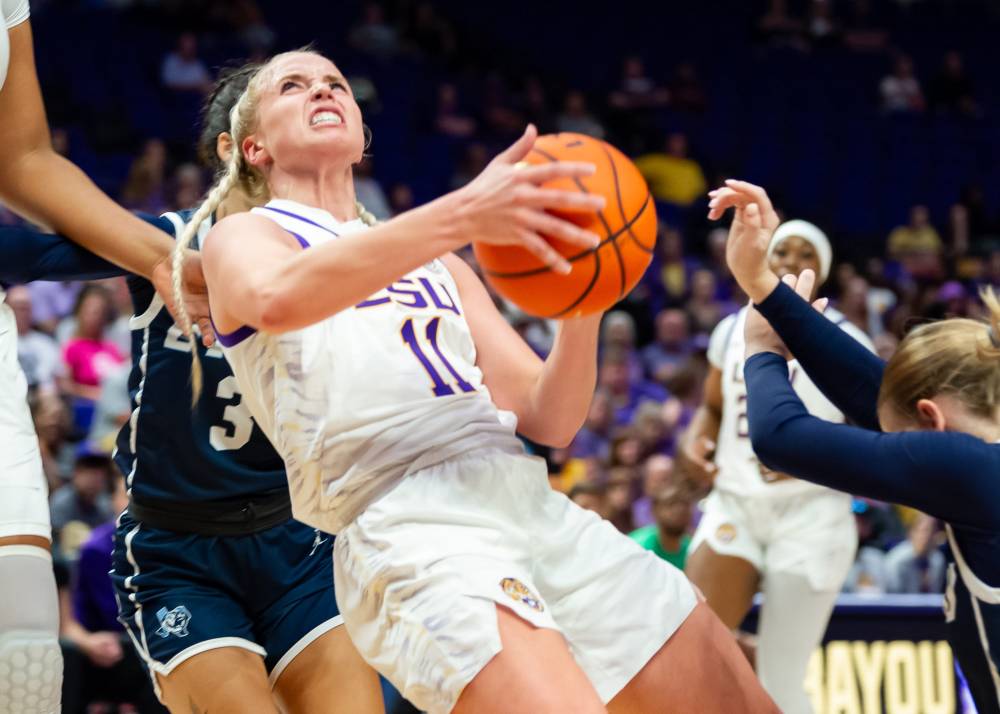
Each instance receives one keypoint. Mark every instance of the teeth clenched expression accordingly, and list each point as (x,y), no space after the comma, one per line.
(306,117)
(326,118)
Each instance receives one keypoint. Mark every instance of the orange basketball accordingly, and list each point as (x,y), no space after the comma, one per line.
(600,276)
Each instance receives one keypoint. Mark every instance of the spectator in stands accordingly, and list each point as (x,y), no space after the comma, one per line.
(703,308)
(778,28)
(917,245)
(450,119)
(952,89)
(590,496)
(53,425)
(429,34)
(626,447)
(183,70)
(625,394)
(618,332)
(101,665)
(576,117)
(144,187)
(369,191)
(594,438)
(374,35)
(671,348)
(657,473)
(401,198)
(474,159)
(917,565)
(650,423)
(822,28)
(535,105)
(885,345)
(51,301)
(901,93)
(669,536)
(37,353)
(673,176)
(84,503)
(669,275)
(113,408)
(637,90)
(687,94)
(89,354)
(862,34)
(853,302)
(618,498)
(187,187)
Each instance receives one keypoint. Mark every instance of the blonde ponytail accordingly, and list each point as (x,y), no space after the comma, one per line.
(366,216)
(215,197)
(959,356)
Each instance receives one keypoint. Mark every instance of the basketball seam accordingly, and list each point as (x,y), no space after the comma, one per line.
(621,209)
(572,259)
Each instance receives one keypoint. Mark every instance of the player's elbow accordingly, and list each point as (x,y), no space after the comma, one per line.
(768,444)
(273,307)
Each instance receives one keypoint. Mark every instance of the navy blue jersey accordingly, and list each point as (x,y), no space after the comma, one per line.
(166,450)
(951,475)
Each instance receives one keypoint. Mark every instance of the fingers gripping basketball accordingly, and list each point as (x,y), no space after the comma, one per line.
(599,277)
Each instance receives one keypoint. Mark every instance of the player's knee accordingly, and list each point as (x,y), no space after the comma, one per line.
(30,672)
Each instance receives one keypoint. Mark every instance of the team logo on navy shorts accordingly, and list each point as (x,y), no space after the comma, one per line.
(516,590)
(725,533)
(173,622)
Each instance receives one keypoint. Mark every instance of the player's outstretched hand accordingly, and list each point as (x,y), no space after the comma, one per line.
(506,205)
(754,221)
(760,336)
(195,293)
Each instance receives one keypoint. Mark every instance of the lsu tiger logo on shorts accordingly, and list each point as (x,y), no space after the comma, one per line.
(516,590)
(725,533)
(173,622)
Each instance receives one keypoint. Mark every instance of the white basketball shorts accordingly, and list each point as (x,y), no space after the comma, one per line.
(419,575)
(24,508)
(812,534)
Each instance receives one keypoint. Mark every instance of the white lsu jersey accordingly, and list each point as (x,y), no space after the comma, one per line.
(359,400)
(12,12)
(739,471)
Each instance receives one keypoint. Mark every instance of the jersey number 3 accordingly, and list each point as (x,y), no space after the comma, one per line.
(440,387)
(237,424)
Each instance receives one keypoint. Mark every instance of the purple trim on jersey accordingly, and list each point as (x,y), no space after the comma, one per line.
(302,241)
(304,220)
(231,339)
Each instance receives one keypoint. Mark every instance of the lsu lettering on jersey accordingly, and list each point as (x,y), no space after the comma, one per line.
(359,400)
(739,471)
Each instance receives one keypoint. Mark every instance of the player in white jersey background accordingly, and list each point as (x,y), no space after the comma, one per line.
(764,531)
(377,364)
(38,183)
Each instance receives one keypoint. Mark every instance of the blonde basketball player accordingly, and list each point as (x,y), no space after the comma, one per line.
(763,530)
(36,182)
(378,366)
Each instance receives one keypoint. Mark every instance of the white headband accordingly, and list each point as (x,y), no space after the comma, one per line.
(808,232)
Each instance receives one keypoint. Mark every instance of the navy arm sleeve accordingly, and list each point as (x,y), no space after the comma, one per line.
(27,254)
(843,369)
(947,474)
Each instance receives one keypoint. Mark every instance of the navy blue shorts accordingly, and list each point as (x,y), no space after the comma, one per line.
(181,594)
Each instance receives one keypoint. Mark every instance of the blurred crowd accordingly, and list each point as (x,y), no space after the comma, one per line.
(75,342)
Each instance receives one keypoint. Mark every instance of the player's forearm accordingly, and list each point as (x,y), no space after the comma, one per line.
(562,393)
(322,281)
(706,422)
(72,205)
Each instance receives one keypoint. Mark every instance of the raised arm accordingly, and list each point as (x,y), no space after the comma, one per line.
(259,276)
(843,369)
(551,397)
(847,373)
(40,184)
(950,475)
(27,254)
